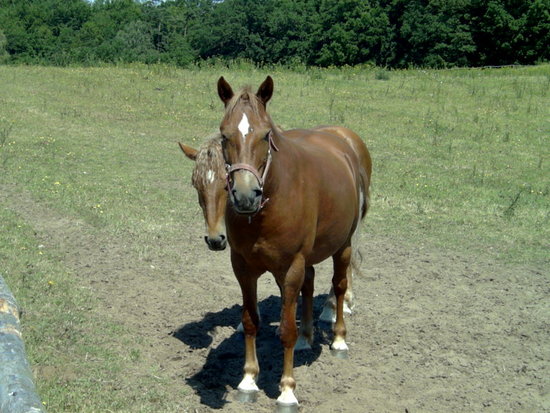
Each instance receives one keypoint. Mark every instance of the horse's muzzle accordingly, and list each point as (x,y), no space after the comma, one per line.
(248,203)
(216,243)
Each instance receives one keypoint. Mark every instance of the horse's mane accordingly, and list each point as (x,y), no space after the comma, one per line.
(209,158)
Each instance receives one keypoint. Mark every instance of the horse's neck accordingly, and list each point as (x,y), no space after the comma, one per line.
(283,166)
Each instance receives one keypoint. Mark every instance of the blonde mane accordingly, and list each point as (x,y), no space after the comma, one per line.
(209,160)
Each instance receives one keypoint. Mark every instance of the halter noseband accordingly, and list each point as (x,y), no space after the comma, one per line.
(243,166)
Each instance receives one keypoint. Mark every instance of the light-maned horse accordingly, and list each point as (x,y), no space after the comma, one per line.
(209,178)
(295,201)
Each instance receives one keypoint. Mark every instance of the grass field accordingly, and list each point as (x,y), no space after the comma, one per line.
(461,162)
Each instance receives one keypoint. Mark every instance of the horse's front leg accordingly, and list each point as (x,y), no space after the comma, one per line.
(292,284)
(248,280)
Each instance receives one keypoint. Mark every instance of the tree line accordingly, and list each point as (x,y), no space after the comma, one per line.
(390,33)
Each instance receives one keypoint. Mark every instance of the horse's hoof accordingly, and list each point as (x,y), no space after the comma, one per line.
(246,396)
(286,408)
(302,344)
(339,354)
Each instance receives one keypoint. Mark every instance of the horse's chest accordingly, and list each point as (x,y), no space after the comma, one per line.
(270,251)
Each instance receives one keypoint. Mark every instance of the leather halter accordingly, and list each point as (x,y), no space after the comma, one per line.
(243,166)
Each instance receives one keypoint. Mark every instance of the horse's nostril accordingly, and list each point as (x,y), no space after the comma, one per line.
(258,192)
(222,237)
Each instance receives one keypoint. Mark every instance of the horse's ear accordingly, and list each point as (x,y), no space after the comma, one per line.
(190,152)
(265,91)
(224,91)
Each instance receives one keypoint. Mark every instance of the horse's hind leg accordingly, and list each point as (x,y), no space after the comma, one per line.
(328,315)
(305,339)
(341,262)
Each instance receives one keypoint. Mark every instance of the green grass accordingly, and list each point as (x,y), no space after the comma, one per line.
(78,369)
(460,162)
(460,156)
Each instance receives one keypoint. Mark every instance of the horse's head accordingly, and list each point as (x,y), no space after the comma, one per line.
(209,179)
(246,131)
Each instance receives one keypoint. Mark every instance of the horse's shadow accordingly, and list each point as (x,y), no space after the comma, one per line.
(222,370)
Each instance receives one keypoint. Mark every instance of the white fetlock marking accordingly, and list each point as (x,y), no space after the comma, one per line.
(302,344)
(328,315)
(339,344)
(248,384)
(287,397)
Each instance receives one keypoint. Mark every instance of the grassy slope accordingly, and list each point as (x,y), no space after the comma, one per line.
(460,162)
(460,157)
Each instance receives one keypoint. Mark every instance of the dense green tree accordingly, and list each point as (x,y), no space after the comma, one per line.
(394,33)
(42,29)
(288,29)
(3,52)
(496,29)
(134,43)
(170,24)
(536,32)
(352,32)
(228,30)
(435,33)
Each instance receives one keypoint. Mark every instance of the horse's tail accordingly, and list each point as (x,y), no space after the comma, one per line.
(365,169)
(364,204)
(356,254)
(365,172)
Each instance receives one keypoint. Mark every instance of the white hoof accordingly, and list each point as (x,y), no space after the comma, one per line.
(287,398)
(248,384)
(339,344)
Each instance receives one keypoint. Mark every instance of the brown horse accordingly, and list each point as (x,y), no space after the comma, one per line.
(303,207)
(209,179)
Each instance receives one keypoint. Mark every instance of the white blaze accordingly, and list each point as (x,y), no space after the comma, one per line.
(244,126)
(210,176)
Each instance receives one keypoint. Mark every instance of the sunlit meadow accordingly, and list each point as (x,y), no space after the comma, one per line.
(460,163)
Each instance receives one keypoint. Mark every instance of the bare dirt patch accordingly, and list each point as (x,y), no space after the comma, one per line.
(432,330)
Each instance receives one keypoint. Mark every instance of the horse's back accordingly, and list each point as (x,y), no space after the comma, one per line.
(317,142)
(355,141)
